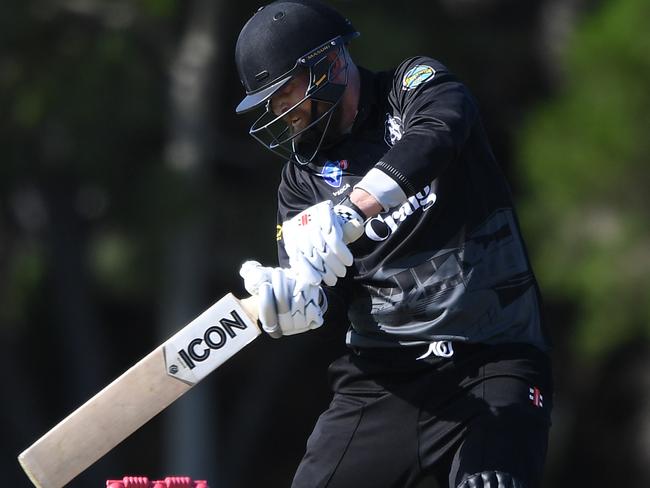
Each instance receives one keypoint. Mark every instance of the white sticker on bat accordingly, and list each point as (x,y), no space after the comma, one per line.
(208,341)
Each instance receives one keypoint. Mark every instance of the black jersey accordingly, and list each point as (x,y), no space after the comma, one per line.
(449,262)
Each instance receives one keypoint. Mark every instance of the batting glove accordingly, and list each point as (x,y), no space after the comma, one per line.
(316,244)
(287,305)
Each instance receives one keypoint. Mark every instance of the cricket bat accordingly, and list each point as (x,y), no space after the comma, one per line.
(146,389)
(142,392)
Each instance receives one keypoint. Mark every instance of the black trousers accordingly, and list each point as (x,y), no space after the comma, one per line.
(394,420)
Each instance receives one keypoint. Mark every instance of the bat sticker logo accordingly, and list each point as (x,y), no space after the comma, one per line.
(215,337)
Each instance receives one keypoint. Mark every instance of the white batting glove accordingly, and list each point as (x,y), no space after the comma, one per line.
(286,306)
(315,243)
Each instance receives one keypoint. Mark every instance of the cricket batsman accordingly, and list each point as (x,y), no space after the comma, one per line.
(447,373)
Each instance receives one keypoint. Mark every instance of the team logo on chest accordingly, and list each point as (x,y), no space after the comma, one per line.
(416,76)
(394,130)
(332,172)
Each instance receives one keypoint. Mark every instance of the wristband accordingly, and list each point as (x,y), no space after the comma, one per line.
(347,211)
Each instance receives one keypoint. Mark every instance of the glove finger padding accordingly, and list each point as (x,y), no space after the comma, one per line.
(254,274)
(316,307)
(268,315)
(315,238)
(305,269)
(282,289)
(306,312)
(287,304)
(332,233)
(321,252)
(257,281)
(333,268)
(320,270)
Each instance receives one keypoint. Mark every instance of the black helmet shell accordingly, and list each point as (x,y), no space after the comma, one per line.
(273,40)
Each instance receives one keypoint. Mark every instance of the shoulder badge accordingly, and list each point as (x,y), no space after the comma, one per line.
(417,75)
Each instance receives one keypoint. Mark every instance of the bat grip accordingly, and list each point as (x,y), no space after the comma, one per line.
(249,304)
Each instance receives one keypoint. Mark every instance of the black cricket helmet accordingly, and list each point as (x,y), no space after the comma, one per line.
(282,40)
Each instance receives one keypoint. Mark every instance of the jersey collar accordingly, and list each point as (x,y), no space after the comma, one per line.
(367,97)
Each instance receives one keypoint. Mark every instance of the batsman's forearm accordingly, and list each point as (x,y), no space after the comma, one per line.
(366,202)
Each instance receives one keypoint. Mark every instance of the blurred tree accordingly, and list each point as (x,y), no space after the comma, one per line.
(189,434)
(80,132)
(584,159)
(584,163)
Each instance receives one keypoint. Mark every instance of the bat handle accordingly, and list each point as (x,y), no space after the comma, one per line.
(249,305)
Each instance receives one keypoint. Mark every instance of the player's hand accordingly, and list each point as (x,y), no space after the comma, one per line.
(286,305)
(315,243)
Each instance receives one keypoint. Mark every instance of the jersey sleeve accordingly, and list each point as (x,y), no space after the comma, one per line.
(432,116)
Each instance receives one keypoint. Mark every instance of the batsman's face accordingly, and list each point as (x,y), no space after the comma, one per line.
(288,96)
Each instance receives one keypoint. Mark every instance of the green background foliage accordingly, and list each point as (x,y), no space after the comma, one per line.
(584,160)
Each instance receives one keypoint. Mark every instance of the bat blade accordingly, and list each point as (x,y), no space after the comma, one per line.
(141,392)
